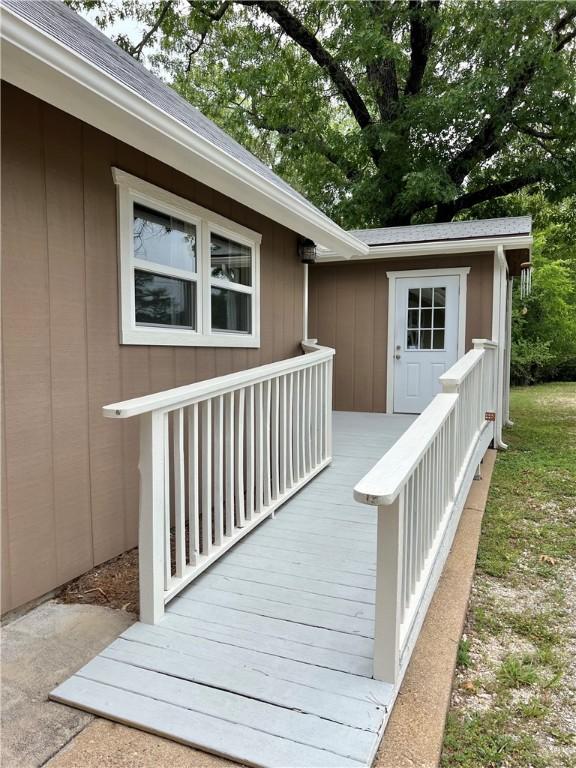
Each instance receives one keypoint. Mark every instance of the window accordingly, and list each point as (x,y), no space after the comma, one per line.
(426,318)
(188,277)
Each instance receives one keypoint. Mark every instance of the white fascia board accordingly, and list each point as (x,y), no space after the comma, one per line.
(435,248)
(40,65)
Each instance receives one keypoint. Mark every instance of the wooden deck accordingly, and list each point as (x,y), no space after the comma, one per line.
(267,657)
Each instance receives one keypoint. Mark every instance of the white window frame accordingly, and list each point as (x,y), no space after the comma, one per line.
(130,190)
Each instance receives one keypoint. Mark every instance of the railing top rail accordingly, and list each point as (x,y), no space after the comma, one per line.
(455,375)
(385,480)
(180,397)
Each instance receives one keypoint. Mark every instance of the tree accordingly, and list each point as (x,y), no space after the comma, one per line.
(382,112)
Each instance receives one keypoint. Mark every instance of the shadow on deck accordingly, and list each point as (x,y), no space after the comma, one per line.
(267,657)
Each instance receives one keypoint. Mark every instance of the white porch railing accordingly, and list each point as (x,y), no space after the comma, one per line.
(218,457)
(420,487)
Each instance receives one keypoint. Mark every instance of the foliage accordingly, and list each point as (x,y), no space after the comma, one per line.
(544,324)
(511,705)
(380,112)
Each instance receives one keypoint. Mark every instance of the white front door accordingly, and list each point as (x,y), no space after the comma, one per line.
(425,338)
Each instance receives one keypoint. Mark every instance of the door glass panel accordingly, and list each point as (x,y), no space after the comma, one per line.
(425,339)
(426,297)
(439,317)
(413,318)
(426,321)
(426,318)
(438,339)
(162,300)
(439,297)
(412,340)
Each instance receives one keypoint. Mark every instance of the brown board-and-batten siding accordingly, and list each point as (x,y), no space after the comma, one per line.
(70,480)
(348,310)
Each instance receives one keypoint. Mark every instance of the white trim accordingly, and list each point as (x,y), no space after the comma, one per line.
(499,291)
(462,273)
(37,63)
(130,190)
(305,304)
(432,248)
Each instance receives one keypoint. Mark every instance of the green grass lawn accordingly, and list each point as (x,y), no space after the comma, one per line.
(514,697)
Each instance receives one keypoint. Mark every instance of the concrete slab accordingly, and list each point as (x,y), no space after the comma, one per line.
(109,745)
(40,650)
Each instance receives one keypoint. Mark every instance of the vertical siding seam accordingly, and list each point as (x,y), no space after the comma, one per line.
(86,338)
(42,129)
(4,458)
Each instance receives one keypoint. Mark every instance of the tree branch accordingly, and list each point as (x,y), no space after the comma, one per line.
(294,28)
(489,138)
(535,133)
(381,73)
(136,50)
(447,211)
(421,33)
(350,171)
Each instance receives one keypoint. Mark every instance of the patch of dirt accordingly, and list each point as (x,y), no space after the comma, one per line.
(113,584)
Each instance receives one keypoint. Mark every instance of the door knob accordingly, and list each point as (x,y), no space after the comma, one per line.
(397,356)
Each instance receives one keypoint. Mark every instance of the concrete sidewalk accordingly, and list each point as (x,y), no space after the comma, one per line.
(47,645)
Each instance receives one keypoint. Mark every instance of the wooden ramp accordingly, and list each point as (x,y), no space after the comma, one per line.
(267,657)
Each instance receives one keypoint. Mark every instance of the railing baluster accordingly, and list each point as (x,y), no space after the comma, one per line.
(283,435)
(206,477)
(259,453)
(297,427)
(289,423)
(179,498)
(229,461)
(249,453)
(193,486)
(266,442)
(239,462)
(167,516)
(218,450)
(274,438)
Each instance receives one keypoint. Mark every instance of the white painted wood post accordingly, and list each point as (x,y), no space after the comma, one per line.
(389,590)
(151,525)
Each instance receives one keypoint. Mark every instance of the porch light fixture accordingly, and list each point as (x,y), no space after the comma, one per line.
(307,250)
(525,279)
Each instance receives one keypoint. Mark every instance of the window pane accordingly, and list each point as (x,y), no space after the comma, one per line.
(231,311)
(438,339)
(426,297)
(163,239)
(230,261)
(439,318)
(426,318)
(439,297)
(412,340)
(425,339)
(164,300)
(414,297)
(412,318)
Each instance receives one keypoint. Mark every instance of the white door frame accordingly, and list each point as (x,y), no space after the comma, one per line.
(462,273)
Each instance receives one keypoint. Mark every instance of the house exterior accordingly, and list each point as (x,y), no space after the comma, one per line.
(143,249)
(370,308)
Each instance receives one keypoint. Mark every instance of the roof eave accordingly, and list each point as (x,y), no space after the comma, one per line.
(434,248)
(35,62)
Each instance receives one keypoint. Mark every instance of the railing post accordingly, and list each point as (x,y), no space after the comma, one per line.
(390,542)
(151,533)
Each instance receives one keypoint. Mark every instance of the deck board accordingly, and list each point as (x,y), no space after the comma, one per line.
(267,657)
